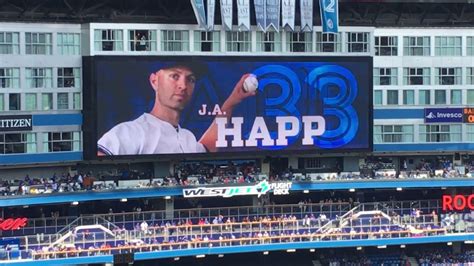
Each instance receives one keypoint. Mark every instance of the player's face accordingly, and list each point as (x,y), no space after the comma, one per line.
(174,87)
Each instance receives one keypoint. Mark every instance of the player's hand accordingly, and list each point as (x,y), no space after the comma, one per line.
(238,93)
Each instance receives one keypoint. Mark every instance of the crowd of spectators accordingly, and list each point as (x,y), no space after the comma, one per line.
(442,257)
(200,173)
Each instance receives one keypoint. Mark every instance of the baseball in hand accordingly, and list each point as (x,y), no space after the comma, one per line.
(250,83)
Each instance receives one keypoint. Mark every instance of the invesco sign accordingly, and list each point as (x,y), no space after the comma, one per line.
(443,115)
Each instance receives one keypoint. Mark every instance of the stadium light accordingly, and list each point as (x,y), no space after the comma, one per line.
(176,259)
(352,190)
(220,256)
(449,243)
(25,206)
(75,203)
(384,246)
(399,189)
(200,256)
(403,246)
(291,250)
(167,197)
(305,191)
(468,242)
(312,250)
(359,248)
(265,253)
(124,200)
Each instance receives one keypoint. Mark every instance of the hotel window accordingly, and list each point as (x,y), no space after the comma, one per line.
(207,41)
(385,76)
(69,43)
(299,42)
(470,76)
(386,45)
(424,97)
(174,40)
(9,78)
(38,43)
(357,42)
(470,132)
(14,102)
(470,45)
(448,76)
(470,97)
(408,97)
(416,76)
(416,46)
(17,143)
(392,97)
(39,78)
(456,97)
(63,101)
(2,102)
(440,133)
(61,141)
(238,41)
(9,42)
(269,41)
(378,97)
(69,77)
(440,97)
(142,40)
(448,46)
(328,42)
(393,134)
(77,101)
(108,40)
(31,102)
(46,101)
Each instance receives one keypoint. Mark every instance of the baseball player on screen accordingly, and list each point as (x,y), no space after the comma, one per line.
(158,132)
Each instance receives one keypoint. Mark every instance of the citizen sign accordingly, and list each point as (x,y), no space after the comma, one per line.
(12,224)
(16,123)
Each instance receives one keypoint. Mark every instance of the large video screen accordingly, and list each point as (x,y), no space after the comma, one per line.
(162,105)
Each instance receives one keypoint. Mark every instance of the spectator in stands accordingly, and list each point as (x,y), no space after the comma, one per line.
(156,132)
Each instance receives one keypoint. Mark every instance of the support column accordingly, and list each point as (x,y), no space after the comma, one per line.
(169,207)
(350,164)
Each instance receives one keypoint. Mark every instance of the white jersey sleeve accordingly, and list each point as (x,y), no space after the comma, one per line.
(123,139)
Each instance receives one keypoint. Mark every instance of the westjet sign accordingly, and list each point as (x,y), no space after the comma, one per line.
(443,115)
(280,188)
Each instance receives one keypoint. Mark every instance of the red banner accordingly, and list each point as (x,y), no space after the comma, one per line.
(12,224)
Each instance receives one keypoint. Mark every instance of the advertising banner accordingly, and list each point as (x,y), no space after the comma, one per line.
(443,115)
(306,12)
(468,115)
(16,123)
(288,15)
(211,6)
(243,10)
(226,14)
(273,14)
(260,9)
(179,105)
(199,12)
(329,15)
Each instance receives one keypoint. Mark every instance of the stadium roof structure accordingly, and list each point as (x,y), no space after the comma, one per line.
(379,13)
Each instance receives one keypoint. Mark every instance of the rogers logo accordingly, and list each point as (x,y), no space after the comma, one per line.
(458,202)
(12,224)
